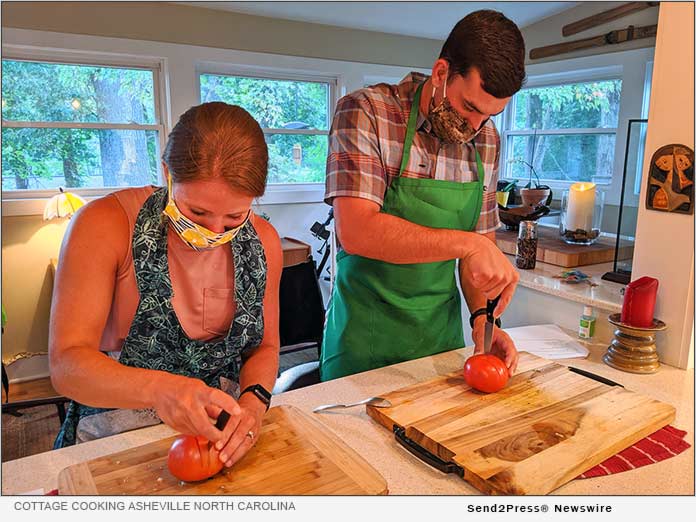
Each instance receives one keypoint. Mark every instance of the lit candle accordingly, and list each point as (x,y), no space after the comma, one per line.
(580,211)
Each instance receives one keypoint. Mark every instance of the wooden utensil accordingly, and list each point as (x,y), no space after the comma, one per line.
(613,37)
(295,455)
(547,426)
(606,16)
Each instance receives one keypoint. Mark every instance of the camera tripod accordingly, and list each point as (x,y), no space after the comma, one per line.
(320,232)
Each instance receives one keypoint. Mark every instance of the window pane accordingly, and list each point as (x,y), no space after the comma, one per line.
(575,157)
(294,158)
(577,105)
(50,158)
(275,104)
(48,92)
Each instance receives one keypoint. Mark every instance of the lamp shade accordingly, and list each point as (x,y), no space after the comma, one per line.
(62,205)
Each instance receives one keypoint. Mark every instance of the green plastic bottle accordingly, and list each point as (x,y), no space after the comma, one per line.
(587,323)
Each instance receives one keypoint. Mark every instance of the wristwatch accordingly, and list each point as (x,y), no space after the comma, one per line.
(260,392)
(482,311)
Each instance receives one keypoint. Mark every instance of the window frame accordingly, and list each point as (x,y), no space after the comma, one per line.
(280,192)
(28,202)
(614,72)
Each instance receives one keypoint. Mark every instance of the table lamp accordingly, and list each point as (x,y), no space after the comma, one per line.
(63,204)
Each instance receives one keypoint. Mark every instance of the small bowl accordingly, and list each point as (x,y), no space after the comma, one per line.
(513,216)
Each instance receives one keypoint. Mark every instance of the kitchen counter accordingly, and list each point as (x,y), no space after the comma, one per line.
(405,474)
(605,296)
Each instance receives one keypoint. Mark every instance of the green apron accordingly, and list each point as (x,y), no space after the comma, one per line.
(383,313)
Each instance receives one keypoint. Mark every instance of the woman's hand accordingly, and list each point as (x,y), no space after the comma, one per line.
(501,345)
(242,431)
(190,406)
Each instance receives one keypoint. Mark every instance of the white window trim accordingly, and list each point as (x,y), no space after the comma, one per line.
(32,202)
(281,193)
(613,72)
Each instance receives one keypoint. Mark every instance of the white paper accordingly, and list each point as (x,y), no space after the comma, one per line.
(547,341)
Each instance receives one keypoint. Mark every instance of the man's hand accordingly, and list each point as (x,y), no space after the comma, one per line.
(486,269)
(501,346)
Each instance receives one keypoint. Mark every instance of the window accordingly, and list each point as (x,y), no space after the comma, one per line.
(567,132)
(78,126)
(294,116)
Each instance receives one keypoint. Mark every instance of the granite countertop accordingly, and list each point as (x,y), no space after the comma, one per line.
(405,474)
(605,296)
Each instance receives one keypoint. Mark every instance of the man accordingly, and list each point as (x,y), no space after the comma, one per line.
(411,174)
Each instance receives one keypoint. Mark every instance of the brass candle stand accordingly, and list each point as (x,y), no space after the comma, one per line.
(633,348)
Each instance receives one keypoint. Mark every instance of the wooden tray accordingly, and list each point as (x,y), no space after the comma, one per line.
(553,250)
(546,427)
(295,455)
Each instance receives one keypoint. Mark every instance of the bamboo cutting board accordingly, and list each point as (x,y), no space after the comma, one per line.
(553,250)
(546,427)
(295,455)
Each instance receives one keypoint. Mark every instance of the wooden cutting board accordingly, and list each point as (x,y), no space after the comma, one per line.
(553,250)
(295,455)
(546,427)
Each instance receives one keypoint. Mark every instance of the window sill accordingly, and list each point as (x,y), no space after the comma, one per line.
(276,194)
(292,193)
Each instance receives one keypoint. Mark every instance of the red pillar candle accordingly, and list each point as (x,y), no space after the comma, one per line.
(639,302)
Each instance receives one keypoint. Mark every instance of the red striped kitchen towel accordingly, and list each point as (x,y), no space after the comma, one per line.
(663,444)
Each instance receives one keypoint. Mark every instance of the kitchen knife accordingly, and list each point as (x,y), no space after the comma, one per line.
(490,322)
(594,376)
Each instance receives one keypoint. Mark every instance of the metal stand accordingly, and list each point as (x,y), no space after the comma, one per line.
(320,231)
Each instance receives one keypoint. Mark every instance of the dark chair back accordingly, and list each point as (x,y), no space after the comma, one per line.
(301,306)
(301,323)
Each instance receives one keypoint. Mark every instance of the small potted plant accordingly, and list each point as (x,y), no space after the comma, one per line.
(534,192)
(505,194)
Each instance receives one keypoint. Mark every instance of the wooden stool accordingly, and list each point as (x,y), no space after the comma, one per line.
(633,348)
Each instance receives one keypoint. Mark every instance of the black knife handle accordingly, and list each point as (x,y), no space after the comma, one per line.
(490,307)
(222,419)
(425,455)
(594,376)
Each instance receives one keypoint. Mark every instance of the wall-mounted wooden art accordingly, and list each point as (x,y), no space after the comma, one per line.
(671,180)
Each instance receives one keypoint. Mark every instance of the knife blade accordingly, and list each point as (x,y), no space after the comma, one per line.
(490,322)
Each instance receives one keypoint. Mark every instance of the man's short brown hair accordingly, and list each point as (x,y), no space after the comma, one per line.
(494,45)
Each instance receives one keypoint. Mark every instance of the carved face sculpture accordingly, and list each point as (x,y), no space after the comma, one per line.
(664,162)
(683,162)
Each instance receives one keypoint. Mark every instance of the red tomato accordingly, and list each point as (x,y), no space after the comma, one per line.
(485,372)
(190,459)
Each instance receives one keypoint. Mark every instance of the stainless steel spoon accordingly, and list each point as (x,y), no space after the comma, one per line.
(377,402)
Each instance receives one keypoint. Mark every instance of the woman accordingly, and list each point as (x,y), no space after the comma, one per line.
(165,297)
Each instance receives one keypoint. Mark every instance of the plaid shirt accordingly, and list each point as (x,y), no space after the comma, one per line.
(366,145)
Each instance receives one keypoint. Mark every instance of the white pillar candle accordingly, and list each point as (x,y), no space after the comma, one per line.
(581,200)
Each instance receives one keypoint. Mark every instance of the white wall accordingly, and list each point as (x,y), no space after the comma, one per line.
(665,241)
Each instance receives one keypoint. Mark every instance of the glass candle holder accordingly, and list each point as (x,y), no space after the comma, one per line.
(582,207)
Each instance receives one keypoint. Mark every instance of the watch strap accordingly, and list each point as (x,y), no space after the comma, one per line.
(482,311)
(260,392)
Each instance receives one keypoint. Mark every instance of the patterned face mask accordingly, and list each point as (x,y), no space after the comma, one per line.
(193,234)
(447,123)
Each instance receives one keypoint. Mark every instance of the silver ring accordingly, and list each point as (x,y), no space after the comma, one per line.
(250,434)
